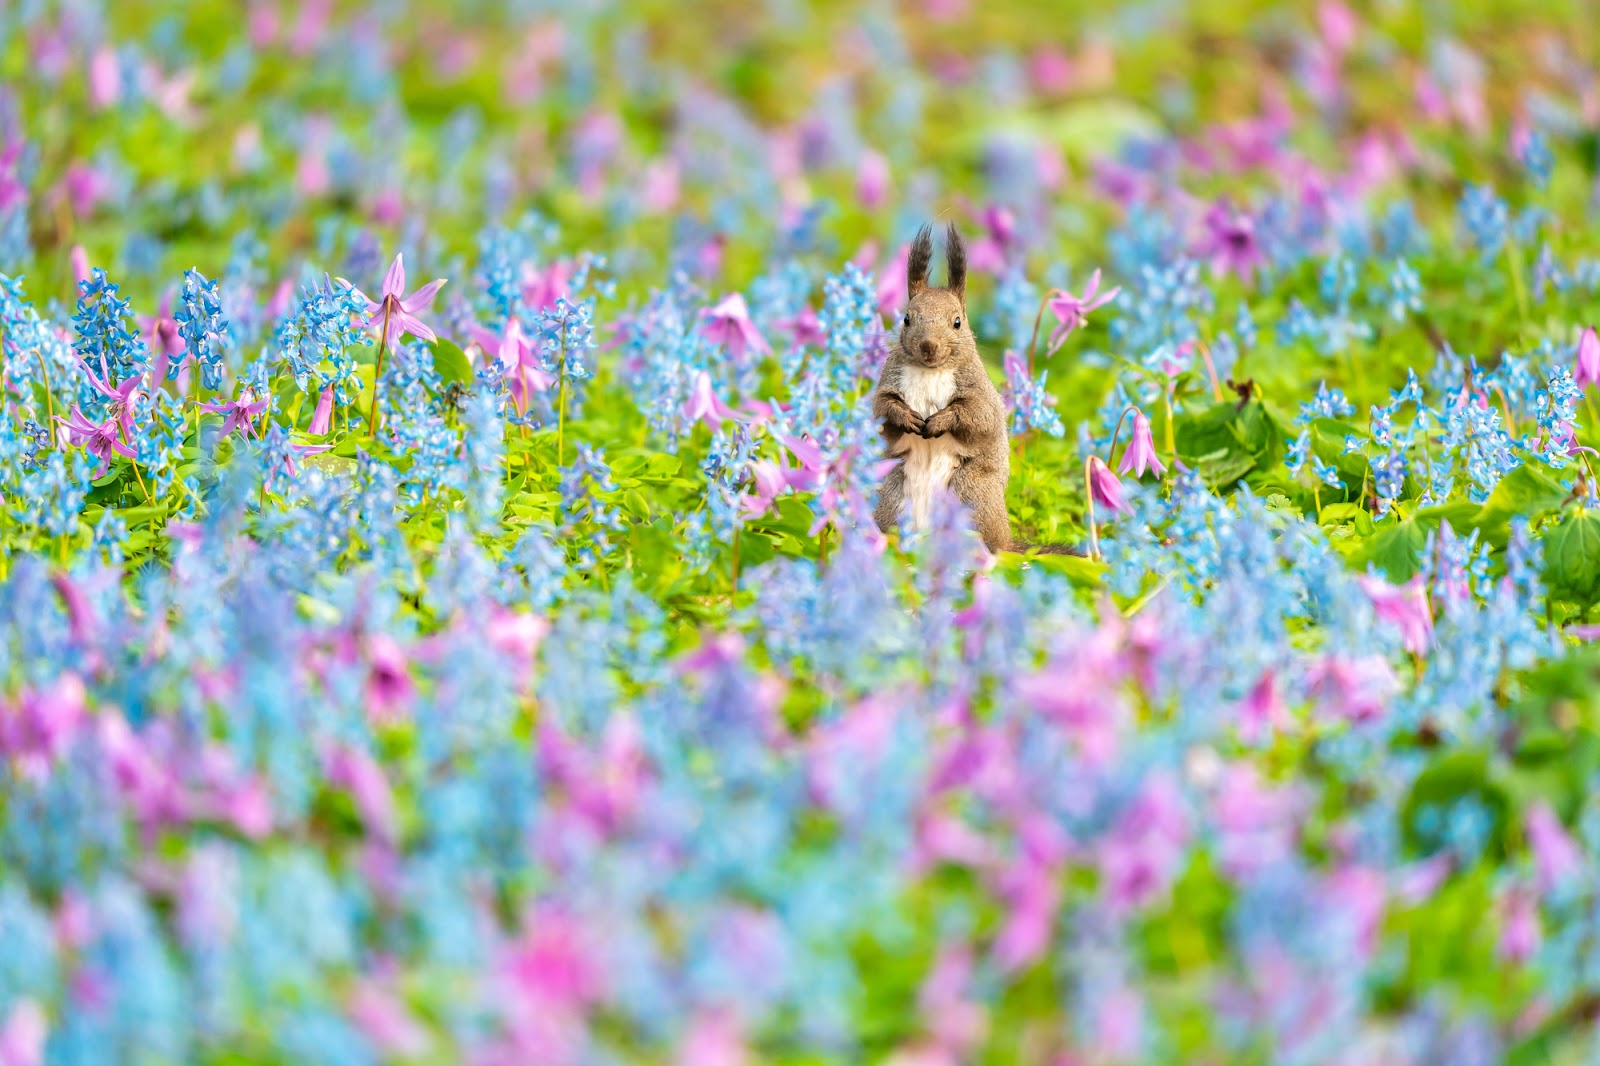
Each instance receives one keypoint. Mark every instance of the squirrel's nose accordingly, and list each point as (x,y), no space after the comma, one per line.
(928,348)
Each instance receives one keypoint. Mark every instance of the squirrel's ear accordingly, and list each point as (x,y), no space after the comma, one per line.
(955,259)
(917,261)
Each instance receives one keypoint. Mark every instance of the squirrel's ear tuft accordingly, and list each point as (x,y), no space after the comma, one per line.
(955,259)
(917,261)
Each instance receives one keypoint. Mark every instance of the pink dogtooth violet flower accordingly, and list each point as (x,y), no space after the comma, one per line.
(1586,368)
(396,313)
(704,405)
(322,417)
(872,180)
(1073,311)
(1105,486)
(728,324)
(1405,606)
(1140,455)
(524,374)
(239,412)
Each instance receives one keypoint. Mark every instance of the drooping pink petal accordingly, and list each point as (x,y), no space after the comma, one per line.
(1140,455)
(705,406)
(1586,368)
(322,418)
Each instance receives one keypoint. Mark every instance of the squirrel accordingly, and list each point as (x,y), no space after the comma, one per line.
(941,415)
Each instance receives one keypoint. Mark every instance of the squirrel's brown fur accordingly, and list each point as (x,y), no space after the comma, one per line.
(940,412)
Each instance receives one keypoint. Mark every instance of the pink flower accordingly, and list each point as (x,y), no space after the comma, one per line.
(703,404)
(813,465)
(1119,1024)
(1263,708)
(247,805)
(550,975)
(239,412)
(769,482)
(1405,606)
(1140,455)
(806,329)
(396,312)
(161,333)
(80,263)
(102,441)
(84,188)
(39,729)
(1144,851)
(23,1034)
(661,186)
(291,452)
(892,294)
(514,351)
(1519,928)
(387,1021)
(872,180)
(1555,857)
(105,77)
(322,418)
(357,771)
(1356,689)
(1050,68)
(1073,311)
(1586,369)
(728,324)
(389,685)
(1230,242)
(1032,897)
(713,1039)
(1256,822)
(1104,486)
(542,288)
(1338,25)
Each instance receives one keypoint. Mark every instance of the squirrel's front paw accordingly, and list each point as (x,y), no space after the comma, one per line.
(939,424)
(902,420)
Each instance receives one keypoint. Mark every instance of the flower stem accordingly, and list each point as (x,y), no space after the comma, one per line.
(49,400)
(1166,407)
(1505,406)
(1515,260)
(561,411)
(1211,370)
(1088,493)
(1033,341)
(1111,457)
(123,433)
(377,374)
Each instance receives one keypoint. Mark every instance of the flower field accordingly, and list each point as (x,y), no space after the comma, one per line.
(442,615)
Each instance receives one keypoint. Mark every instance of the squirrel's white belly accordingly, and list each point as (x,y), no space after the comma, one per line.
(928,463)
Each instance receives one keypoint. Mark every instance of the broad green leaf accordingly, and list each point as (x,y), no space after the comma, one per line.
(1572,557)
(1394,549)
(451,363)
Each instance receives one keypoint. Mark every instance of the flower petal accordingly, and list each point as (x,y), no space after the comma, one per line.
(420,299)
(394,282)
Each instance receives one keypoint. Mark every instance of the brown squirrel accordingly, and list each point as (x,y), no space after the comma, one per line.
(941,414)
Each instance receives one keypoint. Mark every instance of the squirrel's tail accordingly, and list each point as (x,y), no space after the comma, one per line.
(1021,546)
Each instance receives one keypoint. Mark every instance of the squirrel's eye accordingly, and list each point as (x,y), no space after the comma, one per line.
(906,322)
(958,322)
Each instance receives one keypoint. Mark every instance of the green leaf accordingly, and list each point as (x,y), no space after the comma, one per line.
(451,363)
(1226,441)
(1394,549)
(1572,557)
(1528,491)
